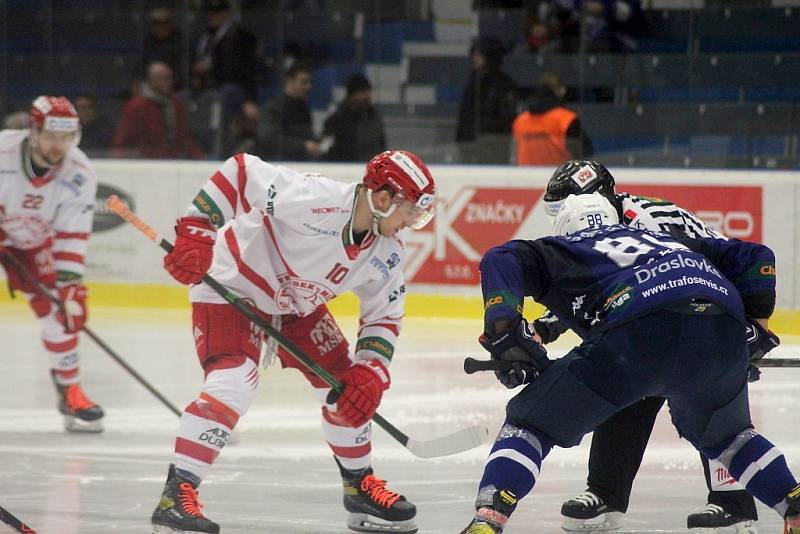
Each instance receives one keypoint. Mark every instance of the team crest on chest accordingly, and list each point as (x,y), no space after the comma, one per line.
(301,295)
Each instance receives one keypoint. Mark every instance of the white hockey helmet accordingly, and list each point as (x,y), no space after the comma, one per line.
(584,212)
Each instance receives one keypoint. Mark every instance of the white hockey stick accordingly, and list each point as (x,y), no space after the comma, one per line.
(456,442)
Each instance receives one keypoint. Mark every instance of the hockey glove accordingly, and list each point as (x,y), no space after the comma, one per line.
(519,346)
(73,314)
(759,342)
(364,384)
(191,256)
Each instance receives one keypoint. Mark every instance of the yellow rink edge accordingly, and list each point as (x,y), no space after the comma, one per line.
(783,321)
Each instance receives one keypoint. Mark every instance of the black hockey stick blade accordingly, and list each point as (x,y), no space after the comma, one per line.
(9,519)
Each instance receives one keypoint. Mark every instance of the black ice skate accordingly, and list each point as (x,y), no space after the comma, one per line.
(80,413)
(792,517)
(588,512)
(492,519)
(714,517)
(372,507)
(179,508)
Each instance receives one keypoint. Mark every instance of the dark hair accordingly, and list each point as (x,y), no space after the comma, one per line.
(491,48)
(216,5)
(296,68)
(356,83)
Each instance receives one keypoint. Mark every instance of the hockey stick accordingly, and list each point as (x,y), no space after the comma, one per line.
(456,442)
(11,520)
(41,288)
(472,365)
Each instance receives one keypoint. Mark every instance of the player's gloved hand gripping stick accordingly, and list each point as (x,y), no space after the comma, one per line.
(456,442)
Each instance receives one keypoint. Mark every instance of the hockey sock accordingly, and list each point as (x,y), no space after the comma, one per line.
(350,446)
(61,351)
(514,462)
(758,465)
(207,423)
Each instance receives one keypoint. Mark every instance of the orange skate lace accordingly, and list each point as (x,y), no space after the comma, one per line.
(76,400)
(189,502)
(376,488)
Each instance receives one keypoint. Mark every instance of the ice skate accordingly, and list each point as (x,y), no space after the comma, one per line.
(481,527)
(714,517)
(791,524)
(373,508)
(492,519)
(179,508)
(80,413)
(588,512)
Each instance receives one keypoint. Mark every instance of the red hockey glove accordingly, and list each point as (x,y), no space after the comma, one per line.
(191,256)
(364,384)
(74,313)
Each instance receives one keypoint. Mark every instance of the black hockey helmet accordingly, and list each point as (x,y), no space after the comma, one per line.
(577,177)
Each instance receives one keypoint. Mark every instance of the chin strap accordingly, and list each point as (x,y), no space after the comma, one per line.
(377,215)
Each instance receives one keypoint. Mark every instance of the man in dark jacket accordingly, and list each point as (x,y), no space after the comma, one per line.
(356,127)
(488,104)
(286,131)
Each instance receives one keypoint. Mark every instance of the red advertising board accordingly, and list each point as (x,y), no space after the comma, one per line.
(474,219)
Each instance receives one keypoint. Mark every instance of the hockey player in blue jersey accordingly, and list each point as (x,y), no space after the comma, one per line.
(618,444)
(658,316)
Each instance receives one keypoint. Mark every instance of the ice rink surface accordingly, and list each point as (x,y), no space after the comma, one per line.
(280,477)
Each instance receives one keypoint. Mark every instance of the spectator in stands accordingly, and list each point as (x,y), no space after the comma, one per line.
(96,128)
(228,52)
(243,131)
(286,132)
(153,124)
(356,127)
(548,133)
(201,99)
(488,105)
(592,25)
(17,120)
(164,43)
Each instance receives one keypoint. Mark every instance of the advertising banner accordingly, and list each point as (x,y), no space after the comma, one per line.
(477,207)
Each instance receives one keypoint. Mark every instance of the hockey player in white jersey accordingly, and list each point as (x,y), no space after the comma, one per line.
(619,443)
(47,195)
(289,242)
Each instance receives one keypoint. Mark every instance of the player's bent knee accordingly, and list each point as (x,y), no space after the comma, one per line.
(235,387)
(725,423)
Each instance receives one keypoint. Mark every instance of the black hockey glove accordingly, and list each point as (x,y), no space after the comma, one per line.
(549,327)
(759,342)
(518,346)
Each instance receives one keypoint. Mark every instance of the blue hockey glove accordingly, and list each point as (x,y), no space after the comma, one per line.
(759,342)
(518,346)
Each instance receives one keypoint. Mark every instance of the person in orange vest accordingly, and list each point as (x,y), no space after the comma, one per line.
(548,133)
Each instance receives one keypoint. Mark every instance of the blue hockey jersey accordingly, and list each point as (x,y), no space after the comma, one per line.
(597,279)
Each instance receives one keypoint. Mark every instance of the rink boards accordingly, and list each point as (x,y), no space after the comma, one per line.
(479,206)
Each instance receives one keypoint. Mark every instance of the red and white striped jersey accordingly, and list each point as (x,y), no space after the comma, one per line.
(285,242)
(58,205)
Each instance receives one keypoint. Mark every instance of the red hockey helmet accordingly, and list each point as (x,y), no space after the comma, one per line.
(409,180)
(55,114)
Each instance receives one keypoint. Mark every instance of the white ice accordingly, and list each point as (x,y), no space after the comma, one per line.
(280,477)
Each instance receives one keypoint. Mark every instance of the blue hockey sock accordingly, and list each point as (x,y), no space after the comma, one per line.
(514,462)
(758,465)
